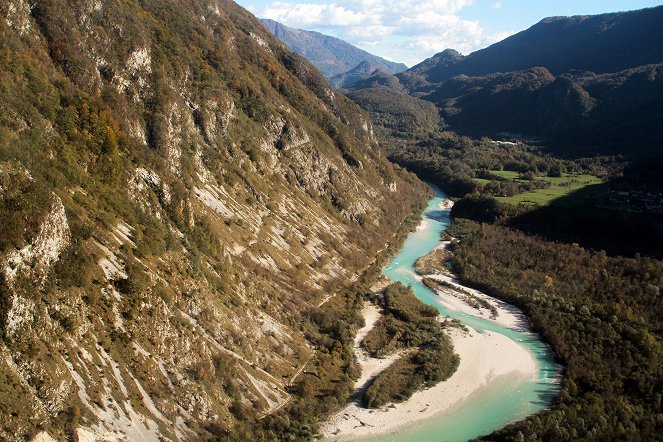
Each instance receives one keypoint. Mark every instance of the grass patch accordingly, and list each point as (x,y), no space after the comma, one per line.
(506,174)
(559,187)
(481,181)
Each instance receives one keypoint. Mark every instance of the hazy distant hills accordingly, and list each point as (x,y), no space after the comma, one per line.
(332,56)
(362,71)
(588,83)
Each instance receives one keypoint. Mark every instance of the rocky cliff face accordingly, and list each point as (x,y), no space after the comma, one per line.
(177,189)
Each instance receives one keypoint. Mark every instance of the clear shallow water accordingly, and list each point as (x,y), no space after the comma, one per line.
(490,408)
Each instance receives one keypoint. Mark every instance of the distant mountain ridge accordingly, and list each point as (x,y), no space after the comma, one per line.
(585,83)
(598,43)
(332,56)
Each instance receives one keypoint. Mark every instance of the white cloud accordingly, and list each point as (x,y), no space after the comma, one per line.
(497,5)
(330,14)
(370,31)
(437,6)
(408,30)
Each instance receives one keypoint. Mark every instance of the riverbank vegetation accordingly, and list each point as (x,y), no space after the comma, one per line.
(410,326)
(602,316)
(617,200)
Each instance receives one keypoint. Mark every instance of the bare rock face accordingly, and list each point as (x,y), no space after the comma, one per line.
(35,259)
(179,193)
(32,264)
(145,184)
(18,17)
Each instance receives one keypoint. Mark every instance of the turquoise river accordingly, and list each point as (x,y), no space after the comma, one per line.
(495,405)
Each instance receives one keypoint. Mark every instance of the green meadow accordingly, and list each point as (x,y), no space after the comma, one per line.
(567,184)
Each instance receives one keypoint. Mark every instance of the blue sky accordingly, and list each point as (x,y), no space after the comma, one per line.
(412,30)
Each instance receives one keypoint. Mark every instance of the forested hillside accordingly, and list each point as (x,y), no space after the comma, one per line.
(602,316)
(580,113)
(178,194)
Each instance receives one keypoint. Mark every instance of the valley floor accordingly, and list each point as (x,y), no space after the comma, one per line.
(486,359)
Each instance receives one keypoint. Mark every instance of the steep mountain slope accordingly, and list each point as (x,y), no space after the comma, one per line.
(177,193)
(599,43)
(332,56)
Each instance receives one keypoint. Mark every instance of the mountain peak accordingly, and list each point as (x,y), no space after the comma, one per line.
(447,53)
(362,71)
(367,67)
(446,58)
